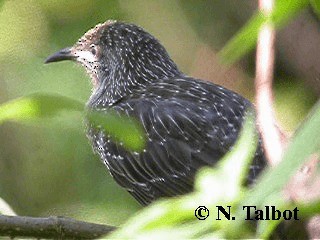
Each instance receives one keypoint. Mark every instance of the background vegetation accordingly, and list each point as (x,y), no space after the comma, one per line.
(47,166)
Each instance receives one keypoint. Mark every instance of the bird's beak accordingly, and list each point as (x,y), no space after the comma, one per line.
(63,54)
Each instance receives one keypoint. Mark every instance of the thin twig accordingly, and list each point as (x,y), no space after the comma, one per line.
(271,134)
(51,227)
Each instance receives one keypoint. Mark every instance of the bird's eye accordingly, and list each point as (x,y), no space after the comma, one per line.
(93,49)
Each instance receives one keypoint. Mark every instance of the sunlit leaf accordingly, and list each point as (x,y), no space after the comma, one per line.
(246,38)
(122,129)
(125,130)
(37,106)
(266,228)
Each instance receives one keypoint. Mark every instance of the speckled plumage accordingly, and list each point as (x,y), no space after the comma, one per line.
(189,122)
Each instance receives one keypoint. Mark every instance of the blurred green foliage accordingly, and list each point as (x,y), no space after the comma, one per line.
(37,106)
(316,6)
(123,129)
(246,39)
(47,166)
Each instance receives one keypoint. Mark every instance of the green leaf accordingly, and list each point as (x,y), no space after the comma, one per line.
(37,106)
(316,6)
(125,130)
(266,228)
(309,209)
(246,38)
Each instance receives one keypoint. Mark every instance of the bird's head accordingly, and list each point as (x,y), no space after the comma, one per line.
(119,54)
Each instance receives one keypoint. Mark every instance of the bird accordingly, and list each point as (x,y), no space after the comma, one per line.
(189,123)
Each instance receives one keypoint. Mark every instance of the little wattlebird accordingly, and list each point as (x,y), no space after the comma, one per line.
(189,123)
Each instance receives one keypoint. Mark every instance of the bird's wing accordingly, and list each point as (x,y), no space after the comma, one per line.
(185,130)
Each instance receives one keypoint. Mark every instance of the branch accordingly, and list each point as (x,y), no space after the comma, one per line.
(273,138)
(51,227)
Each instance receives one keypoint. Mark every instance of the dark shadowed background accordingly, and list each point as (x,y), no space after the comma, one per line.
(47,167)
